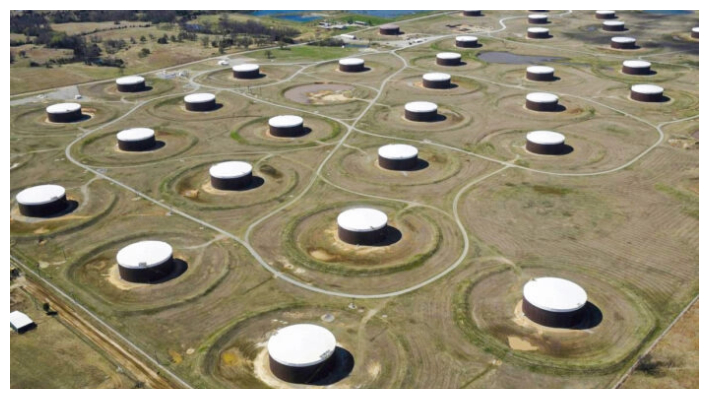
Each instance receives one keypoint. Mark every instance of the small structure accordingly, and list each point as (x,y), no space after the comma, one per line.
(695,32)
(398,156)
(542,102)
(637,67)
(538,33)
(473,13)
(437,80)
(623,43)
(286,126)
(605,14)
(42,201)
(20,322)
(136,139)
(421,111)
(540,73)
(301,353)
(554,302)
(545,142)
(647,93)
(614,26)
(231,175)
(130,83)
(389,29)
(466,41)
(448,59)
(538,19)
(246,71)
(145,261)
(351,65)
(200,102)
(362,226)
(64,112)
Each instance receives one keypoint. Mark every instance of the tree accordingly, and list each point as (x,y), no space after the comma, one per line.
(144,52)
(163,40)
(205,41)
(269,54)
(143,39)
(12,57)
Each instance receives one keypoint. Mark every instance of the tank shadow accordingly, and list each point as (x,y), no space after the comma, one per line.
(256,182)
(592,317)
(565,150)
(392,235)
(179,268)
(344,364)
(71,207)
(421,164)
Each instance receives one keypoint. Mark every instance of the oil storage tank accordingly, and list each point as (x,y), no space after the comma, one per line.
(231,175)
(41,201)
(246,71)
(398,157)
(64,112)
(136,139)
(545,142)
(145,261)
(200,102)
(554,302)
(421,111)
(302,353)
(286,126)
(362,226)
(130,84)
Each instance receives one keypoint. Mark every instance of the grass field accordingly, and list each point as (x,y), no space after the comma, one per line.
(437,305)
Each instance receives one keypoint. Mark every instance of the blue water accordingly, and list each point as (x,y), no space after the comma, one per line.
(669,12)
(290,15)
(386,13)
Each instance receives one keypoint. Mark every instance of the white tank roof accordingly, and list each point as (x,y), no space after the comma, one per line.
(63,108)
(605,12)
(623,39)
(40,195)
(398,151)
(230,169)
(135,134)
(301,345)
(554,294)
(537,29)
(637,64)
(19,319)
(351,61)
(542,97)
(695,29)
(436,76)
(538,16)
(420,106)
(540,69)
(448,56)
(144,254)
(466,38)
(199,97)
(245,68)
(362,219)
(389,26)
(613,23)
(285,121)
(647,89)
(472,10)
(130,80)
(544,137)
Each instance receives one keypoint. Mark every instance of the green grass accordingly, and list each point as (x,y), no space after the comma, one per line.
(306,52)
(690,203)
